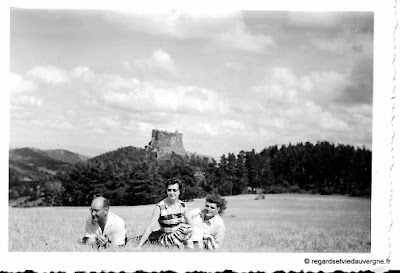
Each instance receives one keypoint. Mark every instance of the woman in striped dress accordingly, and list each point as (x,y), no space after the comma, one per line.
(170,214)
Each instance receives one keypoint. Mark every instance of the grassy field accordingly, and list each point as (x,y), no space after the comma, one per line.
(278,223)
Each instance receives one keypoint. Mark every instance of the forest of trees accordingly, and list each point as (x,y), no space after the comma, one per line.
(133,176)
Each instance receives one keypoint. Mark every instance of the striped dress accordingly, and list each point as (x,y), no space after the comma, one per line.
(172,222)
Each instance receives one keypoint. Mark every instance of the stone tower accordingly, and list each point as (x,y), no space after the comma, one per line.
(166,142)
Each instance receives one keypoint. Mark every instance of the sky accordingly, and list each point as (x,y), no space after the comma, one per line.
(92,81)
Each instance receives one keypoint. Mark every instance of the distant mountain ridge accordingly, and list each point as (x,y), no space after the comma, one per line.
(27,164)
(66,156)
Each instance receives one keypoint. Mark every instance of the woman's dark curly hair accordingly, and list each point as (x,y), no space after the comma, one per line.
(216,199)
(173,181)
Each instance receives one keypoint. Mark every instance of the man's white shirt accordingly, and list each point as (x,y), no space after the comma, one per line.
(214,226)
(114,229)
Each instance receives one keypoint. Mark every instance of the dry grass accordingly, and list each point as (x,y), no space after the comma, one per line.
(279,223)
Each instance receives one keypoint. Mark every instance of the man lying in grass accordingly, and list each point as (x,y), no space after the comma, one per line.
(104,228)
(208,226)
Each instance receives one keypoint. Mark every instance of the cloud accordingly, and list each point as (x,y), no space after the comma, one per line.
(22,91)
(300,119)
(235,66)
(359,89)
(284,75)
(345,43)
(315,106)
(277,94)
(335,33)
(361,110)
(225,29)
(99,131)
(106,124)
(253,107)
(18,84)
(60,125)
(284,88)
(239,37)
(159,62)
(133,96)
(205,128)
(309,19)
(149,97)
(136,127)
(164,60)
(143,126)
(323,87)
(48,75)
(26,100)
(325,120)
(175,23)
(233,127)
(233,124)
(336,46)
(52,124)
(280,88)
(110,122)
(82,72)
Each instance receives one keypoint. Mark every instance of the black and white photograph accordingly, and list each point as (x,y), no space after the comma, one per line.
(211,134)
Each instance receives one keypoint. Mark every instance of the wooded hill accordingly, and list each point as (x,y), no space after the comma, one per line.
(30,164)
(134,176)
(33,165)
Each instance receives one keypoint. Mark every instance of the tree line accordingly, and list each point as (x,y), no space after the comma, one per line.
(134,176)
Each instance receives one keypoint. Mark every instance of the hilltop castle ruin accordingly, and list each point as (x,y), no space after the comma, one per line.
(165,143)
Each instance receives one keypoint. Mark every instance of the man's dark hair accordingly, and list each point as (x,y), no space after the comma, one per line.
(216,199)
(173,181)
(106,202)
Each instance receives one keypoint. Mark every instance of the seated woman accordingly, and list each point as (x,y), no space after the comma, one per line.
(170,214)
(208,226)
